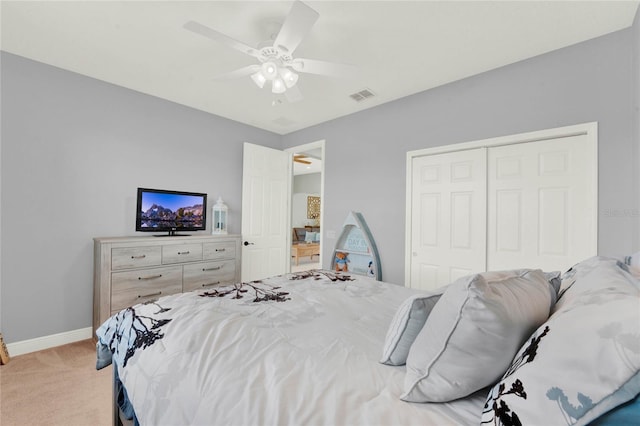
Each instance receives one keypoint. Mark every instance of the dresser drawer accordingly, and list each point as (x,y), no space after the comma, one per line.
(135,257)
(132,287)
(209,274)
(180,253)
(219,250)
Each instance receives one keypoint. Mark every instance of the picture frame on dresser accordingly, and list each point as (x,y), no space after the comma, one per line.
(132,270)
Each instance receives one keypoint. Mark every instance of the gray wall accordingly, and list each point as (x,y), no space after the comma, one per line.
(636,110)
(74,150)
(303,186)
(365,152)
(309,183)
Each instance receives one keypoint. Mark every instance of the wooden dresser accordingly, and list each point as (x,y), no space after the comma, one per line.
(131,270)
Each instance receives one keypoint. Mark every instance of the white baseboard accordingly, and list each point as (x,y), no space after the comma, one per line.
(46,342)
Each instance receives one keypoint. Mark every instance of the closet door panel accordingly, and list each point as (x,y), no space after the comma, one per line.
(508,228)
(553,236)
(540,204)
(448,217)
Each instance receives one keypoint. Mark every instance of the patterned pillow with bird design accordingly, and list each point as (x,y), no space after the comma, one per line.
(583,362)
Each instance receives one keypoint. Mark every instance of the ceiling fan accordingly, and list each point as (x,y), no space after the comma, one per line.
(276,62)
(300,158)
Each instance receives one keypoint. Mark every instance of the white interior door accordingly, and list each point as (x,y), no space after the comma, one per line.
(266,184)
(448,217)
(541,204)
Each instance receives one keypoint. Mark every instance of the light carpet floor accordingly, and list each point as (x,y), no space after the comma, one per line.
(305,264)
(57,386)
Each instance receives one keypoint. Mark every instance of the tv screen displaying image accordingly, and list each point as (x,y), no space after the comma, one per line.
(170,211)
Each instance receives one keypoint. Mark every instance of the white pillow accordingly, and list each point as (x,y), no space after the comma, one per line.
(584,361)
(405,326)
(473,332)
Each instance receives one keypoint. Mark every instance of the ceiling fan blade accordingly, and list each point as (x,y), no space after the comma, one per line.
(313,66)
(296,26)
(299,159)
(244,71)
(221,38)
(293,94)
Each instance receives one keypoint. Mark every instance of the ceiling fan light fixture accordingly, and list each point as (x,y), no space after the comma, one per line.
(278,86)
(259,79)
(275,61)
(290,78)
(270,70)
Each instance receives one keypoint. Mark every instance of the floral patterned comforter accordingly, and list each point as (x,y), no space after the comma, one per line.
(294,349)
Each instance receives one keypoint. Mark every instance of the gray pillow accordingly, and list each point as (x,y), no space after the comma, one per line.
(405,326)
(469,339)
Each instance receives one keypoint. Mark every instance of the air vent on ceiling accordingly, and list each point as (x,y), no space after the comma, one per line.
(362,95)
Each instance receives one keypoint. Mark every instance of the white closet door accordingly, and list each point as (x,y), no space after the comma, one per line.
(448,217)
(542,200)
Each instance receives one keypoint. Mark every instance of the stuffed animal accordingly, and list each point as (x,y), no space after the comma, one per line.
(341,262)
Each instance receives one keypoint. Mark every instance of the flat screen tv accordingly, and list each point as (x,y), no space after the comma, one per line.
(160,210)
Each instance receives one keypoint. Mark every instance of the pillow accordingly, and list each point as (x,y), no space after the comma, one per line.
(405,326)
(584,361)
(473,332)
(555,281)
(635,271)
(607,266)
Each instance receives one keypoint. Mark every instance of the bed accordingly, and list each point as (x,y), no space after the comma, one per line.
(325,348)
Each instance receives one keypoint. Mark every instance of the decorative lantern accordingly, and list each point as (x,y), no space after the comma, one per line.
(220,211)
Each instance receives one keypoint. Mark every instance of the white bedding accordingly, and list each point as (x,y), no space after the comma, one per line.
(310,360)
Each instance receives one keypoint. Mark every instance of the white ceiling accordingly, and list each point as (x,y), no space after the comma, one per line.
(400,48)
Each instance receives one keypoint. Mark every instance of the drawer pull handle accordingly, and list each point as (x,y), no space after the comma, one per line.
(152,277)
(140,296)
(142,256)
(183,252)
(210,284)
(215,268)
(221,249)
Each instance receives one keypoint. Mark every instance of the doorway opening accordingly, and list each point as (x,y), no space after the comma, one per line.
(307,206)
